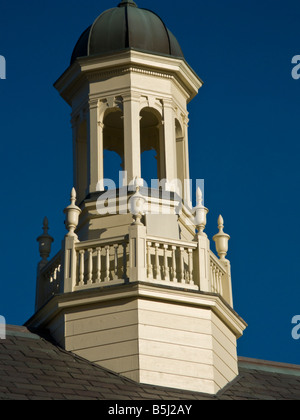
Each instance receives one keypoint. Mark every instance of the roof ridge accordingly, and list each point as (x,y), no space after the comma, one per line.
(269,366)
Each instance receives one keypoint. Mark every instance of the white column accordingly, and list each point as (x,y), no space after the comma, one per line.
(132,144)
(170,142)
(95,149)
(187,185)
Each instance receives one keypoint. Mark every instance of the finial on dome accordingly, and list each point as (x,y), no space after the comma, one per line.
(127,2)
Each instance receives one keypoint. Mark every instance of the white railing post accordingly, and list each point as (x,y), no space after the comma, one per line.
(69,265)
(202,257)
(221,240)
(137,238)
(137,253)
(227,287)
(202,263)
(72,213)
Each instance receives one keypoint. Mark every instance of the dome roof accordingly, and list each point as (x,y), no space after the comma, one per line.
(127,26)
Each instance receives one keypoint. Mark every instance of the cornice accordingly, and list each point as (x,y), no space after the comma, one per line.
(138,290)
(100,68)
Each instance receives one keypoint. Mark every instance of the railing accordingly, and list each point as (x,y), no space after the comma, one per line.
(50,277)
(170,262)
(98,263)
(217,274)
(101,262)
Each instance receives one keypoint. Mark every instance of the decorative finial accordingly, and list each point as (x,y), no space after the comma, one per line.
(72,215)
(200,213)
(45,241)
(73,196)
(137,203)
(199,197)
(220,224)
(127,2)
(221,239)
(45,225)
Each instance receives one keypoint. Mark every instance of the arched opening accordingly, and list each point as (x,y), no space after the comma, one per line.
(113,144)
(81,181)
(152,147)
(112,167)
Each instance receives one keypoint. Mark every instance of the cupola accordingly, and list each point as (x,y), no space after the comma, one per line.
(135,286)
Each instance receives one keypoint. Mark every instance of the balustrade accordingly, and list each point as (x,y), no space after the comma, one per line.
(50,277)
(170,262)
(98,263)
(101,263)
(217,275)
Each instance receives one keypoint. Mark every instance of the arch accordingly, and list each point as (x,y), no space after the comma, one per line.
(152,145)
(150,102)
(113,143)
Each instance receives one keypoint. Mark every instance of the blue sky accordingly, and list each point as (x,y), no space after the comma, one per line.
(243,138)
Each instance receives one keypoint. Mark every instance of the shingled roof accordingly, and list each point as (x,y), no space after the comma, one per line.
(32,368)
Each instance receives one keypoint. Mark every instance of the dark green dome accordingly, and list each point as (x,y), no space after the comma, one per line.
(127,26)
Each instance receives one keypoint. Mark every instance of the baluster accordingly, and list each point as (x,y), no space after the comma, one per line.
(81,268)
(182,277)
(55,280)
(51,275)
(107,264)
(90,267)
(174,264)
(157,267)
(124,261)
(214,279)
(220,283)
(216,271)
(52,280)
(116,247)
(149,265)
(166,267)
(190,271)
(58,277)
(98,278)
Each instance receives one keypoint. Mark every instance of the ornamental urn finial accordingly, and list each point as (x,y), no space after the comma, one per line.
(200,213)
(72,213)
(45,241)
(221,240)
(137,203)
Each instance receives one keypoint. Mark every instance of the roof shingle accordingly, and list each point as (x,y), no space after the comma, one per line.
(34,368)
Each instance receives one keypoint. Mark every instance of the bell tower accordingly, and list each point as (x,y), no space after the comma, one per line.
(135,287)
